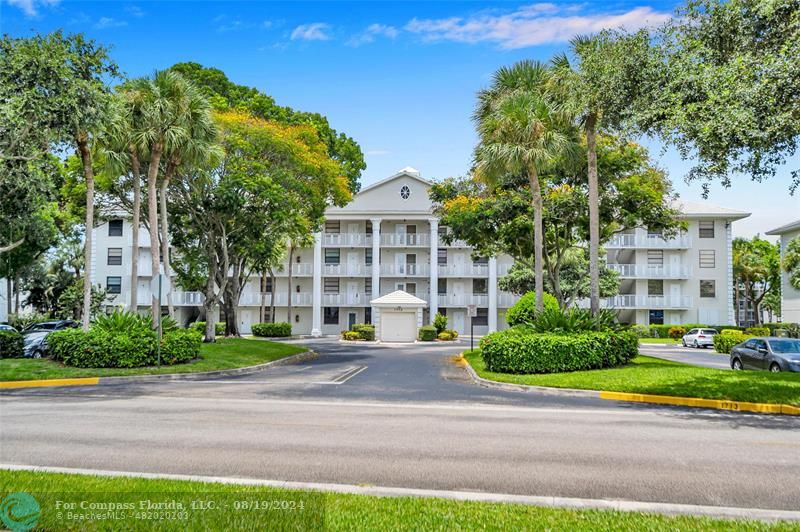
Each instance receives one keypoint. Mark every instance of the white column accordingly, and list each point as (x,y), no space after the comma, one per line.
(316,298)
(492,294)
(434,291)
(376,258)
(729,273)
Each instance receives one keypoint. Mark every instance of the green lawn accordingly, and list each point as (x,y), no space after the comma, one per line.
(226,353)
(320,511)
(661,377)
(658,341)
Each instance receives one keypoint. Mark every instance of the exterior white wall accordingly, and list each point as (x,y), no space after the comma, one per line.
(790,302)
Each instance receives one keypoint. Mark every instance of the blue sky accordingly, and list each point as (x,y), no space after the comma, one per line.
(399,77)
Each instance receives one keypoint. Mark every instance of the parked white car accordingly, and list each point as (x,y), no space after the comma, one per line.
(699,338)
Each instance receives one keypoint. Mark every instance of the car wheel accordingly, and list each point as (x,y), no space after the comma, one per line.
(736,365)
(775,368)
(37,354)
(683,342)
(695,345)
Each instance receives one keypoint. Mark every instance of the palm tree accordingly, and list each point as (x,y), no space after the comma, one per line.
(521,131)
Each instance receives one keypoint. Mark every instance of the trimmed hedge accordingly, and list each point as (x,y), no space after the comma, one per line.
(758,331)
(101,349)
(676,332)
(427,333)
(524,310)
(518,350)
(365,331)
(200,326)
(272,330)
(447,335)
(350,336)
(662,331)
(11,344)
(724,342)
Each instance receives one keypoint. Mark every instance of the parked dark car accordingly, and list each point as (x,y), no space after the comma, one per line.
(35,336)
(767,354)
(6,327)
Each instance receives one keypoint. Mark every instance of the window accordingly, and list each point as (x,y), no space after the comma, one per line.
(368,257)
(442,230)
(441,288)
(369,227)
(368,315)
(482,318)
(656,317)
(331,285)
(708,289)
(750,344)
(655,257)
(330,316)
(693,331)
(480,286)
(268,285)
(442,256)
(115,228)
(368,285)
(707,258)
(114,285)
(481,260)
(115,256)
(405,192)
(655,287)
(333,226)
(707,229)
(331,256)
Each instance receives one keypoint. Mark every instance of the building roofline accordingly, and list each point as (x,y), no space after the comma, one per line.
(401,173)
(791,226)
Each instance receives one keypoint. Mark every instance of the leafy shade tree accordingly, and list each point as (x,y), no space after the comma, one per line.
(499,220)
(59,84)
(723,85)
(756,270)
(521,132)
(227,95)
(791,262)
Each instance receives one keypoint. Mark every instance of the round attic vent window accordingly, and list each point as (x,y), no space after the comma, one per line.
(405,192)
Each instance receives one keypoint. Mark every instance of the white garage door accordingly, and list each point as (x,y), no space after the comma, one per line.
(398,326)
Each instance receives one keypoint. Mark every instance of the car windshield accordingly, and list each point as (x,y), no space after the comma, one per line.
(43,327)
(709,331)
(785,346)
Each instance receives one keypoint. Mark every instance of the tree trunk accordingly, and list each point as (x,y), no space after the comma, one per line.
(88,173)
(289,273)
(594,216)
(165,243)
(262,310)
(210,335)
(16,295)
(152,216)
(538,228)
(135,223)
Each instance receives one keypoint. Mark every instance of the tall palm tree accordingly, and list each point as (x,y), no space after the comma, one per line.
(521,131)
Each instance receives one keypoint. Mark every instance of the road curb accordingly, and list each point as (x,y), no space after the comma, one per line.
(723,512)
(91,381)
(693,402)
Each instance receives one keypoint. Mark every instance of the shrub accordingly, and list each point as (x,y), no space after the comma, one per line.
(641,331)
(783,333)
(446,336)
(676,332)
(200,326)
(180,346)
(427,333)
(521,350)
(350,335)
(23,319)
(793,329)
(724,342)
(11,344)
(272,330)
(524,310)
(452,332)
(365,331)
(562,321)
(440,322)
(730,332)
(757,331)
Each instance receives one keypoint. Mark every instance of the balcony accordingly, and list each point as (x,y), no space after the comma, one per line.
(299,269)
(247,299)
(405,270)
(346,240)
(506,299)
(453,244)
(340,300)
(462,300)
(640,241)
(405,240)
(645,271)
(463,270)
(632,301)
(346,270)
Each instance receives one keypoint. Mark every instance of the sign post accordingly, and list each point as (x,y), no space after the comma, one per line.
(472,311)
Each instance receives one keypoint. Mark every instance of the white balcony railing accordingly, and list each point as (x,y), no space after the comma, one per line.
(247,299)
(346,239)
(337,300)
(405,240)
(644,271)
(351,269)
(506,300)
(631,240)
(632,301)
(405,270)
(463,270)
(462,300)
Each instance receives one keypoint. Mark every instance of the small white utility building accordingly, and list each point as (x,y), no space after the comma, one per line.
(397,316)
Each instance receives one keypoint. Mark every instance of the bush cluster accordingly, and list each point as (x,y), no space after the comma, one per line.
(440,322)
(522,350)
(21,320)
(200,326)
(11,344)
(663,331)
(758,331)
(350,335)
(447,335)
(427,333)
(365,331)
(676,332)
(524,310)
(724,342)
(272,330)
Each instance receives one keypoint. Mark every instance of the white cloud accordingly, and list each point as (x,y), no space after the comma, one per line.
(134,11)
(373,31)
(316,31)
(31,7)
(531,25)
(108,22)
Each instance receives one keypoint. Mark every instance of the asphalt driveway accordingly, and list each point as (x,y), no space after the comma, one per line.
(705,358)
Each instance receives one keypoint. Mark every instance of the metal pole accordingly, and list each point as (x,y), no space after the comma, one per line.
(471,334)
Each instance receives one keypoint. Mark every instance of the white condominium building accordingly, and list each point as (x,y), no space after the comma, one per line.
(387,240)
(790,296)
